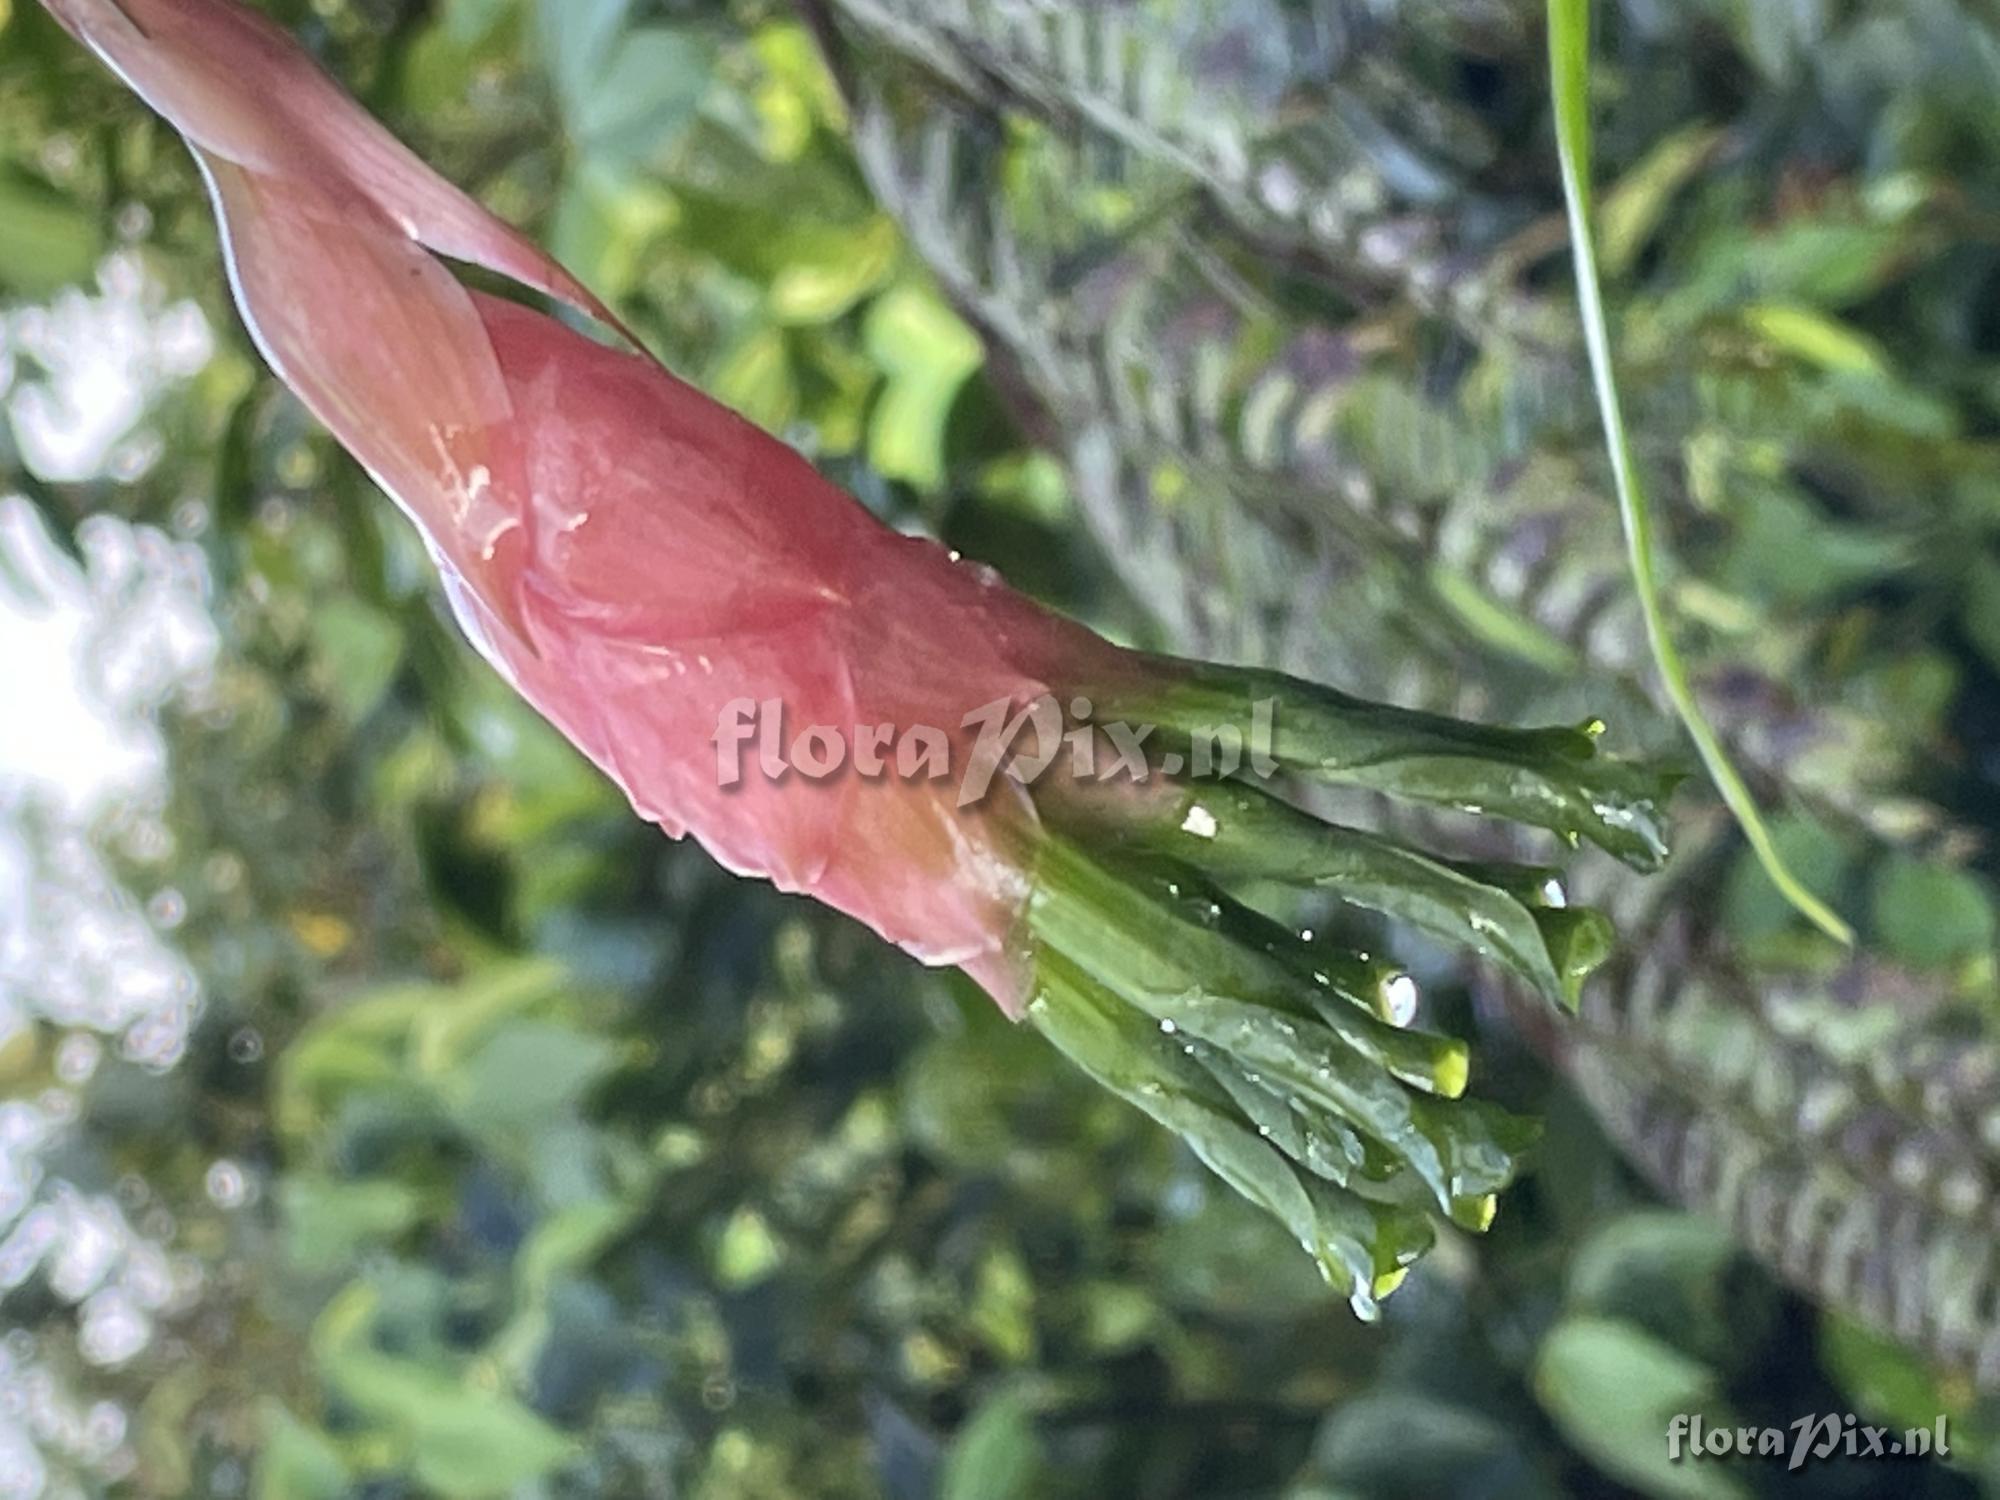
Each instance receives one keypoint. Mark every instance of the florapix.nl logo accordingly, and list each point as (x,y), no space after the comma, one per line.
(1023,742)
(1810,1439)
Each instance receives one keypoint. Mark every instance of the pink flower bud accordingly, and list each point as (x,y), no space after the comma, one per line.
(635,557)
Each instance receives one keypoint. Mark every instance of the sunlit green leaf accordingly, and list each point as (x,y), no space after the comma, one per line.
(928,354)
(1634,207)
(463,1441)
(747,1252)
(525,1073)
(359,649)
(997,1455)
(1930,915)
(327,1221)
(820,287)
(46,241)
(578,39)
(649,90)
(1614,1391)
(297,1462)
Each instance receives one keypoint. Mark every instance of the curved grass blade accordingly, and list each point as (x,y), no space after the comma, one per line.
(1569,61)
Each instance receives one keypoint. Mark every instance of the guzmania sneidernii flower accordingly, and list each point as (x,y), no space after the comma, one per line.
(641,563)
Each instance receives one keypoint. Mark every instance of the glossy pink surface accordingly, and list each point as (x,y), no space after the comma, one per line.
(634,556)
(671,559)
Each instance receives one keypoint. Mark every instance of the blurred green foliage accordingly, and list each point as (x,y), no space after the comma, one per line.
(578,1169)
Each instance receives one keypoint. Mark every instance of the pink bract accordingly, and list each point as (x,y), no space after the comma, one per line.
(634,556)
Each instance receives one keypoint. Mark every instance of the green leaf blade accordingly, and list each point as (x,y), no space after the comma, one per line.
(1569,62)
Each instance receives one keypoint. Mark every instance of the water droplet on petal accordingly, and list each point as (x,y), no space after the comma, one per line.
(1399,1000)
(1200,822)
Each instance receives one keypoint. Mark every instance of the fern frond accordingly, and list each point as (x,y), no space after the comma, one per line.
(1278,479)
(1346,178)
(1869,1178)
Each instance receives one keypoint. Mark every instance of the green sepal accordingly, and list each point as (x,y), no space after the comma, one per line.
(1503,913)
(1195,982)
(1554,778)
(1360,1246)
